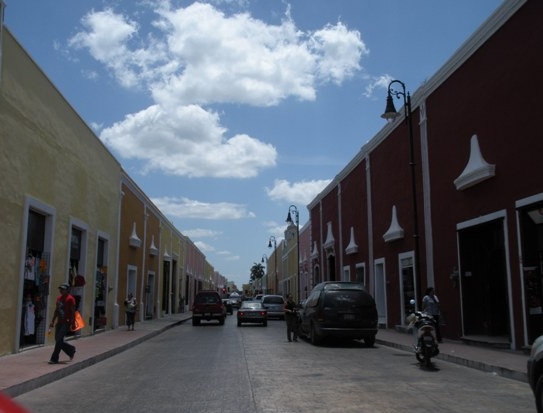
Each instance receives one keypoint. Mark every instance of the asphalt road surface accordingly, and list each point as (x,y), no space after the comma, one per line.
(212,368)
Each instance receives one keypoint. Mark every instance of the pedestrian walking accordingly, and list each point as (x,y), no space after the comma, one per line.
(65,316)
(130,307)
(430,305)
(291,318)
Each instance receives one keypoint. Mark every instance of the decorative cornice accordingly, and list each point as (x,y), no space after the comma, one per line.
(134,240)
(153,250)
(477,170)
(352,248)
(329,243)
(315,252)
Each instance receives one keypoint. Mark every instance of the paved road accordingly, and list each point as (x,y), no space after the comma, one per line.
(214,368)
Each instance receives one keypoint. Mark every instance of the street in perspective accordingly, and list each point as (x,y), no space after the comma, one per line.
(213,368)
(271,206)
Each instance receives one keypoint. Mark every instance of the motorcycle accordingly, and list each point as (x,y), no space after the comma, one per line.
(425,335)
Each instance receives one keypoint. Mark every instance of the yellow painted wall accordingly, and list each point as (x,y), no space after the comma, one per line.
(48,153)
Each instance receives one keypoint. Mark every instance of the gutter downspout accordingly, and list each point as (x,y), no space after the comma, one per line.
(143,269)
(116,284)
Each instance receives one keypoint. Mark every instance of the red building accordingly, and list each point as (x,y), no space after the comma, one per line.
(479,193)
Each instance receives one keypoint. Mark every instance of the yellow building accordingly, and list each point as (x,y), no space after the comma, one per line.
(59,202)
(289,281)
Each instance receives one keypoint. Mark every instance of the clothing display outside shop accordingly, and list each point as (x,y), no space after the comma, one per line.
(35,293)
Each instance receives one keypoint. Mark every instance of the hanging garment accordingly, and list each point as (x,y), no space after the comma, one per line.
(29,268)
(29,318)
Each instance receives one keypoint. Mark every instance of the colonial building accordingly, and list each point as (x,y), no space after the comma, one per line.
(479,193)
(59,203)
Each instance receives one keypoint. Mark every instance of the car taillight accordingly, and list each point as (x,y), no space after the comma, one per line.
(241,313)
(320,316)
(262,313)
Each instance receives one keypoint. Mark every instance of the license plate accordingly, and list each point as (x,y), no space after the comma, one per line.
(348,316)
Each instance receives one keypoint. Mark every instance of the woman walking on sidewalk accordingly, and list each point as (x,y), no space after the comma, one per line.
(65,313)
(130,307)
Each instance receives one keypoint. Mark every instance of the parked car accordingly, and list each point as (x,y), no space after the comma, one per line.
(258,297)
(227,302)
(274,305)
(535,372)
(339,309)
(252,312)
(208,306)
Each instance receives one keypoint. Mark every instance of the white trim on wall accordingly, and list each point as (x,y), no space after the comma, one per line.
(381,261)
(50,220)
(521,203)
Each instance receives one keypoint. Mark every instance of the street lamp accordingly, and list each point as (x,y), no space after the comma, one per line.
(289,221)
(264,260)
(272,238)
(390,114)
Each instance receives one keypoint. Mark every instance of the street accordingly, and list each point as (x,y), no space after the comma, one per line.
(214,368)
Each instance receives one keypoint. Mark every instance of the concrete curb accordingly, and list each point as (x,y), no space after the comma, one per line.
(38,382)
(478,365)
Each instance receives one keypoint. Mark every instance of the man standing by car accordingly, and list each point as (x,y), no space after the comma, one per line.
(291,318)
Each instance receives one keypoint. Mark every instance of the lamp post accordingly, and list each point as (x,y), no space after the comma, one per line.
(272,238)
(390,114)
(289,221)
(265,260)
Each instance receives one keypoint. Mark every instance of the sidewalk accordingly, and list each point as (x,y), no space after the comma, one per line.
(506,363)
(28,370)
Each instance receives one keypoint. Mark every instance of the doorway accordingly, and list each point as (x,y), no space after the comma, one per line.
(380,291)
(150,294)
(100,286)
(165,287)
(407,285)
(484,280)
(331,268)
(531,232)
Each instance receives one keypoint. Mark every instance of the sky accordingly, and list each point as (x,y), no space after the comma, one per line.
(227,112)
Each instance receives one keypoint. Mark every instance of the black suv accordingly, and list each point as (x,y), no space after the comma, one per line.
(339,309)
(535,372)
(208,306)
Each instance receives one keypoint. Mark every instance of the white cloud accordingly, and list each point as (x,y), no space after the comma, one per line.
(224,253)
(340,51)
(201,233)
(233,258)
(181,207)
(380,81)
(300,193)
(275,229)
(204,247)
(188,141)
(199,56)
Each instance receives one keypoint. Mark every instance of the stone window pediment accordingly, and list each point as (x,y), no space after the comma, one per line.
(395,231)
(352,248)
(477,169)
(134,240)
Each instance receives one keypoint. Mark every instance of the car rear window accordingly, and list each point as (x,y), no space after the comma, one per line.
(251,305)
(208,299)
(346,299)
(273,300)
(344,286)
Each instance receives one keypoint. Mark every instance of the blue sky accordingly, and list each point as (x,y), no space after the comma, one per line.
(226,112)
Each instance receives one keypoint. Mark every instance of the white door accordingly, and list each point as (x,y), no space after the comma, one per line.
(380,291)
